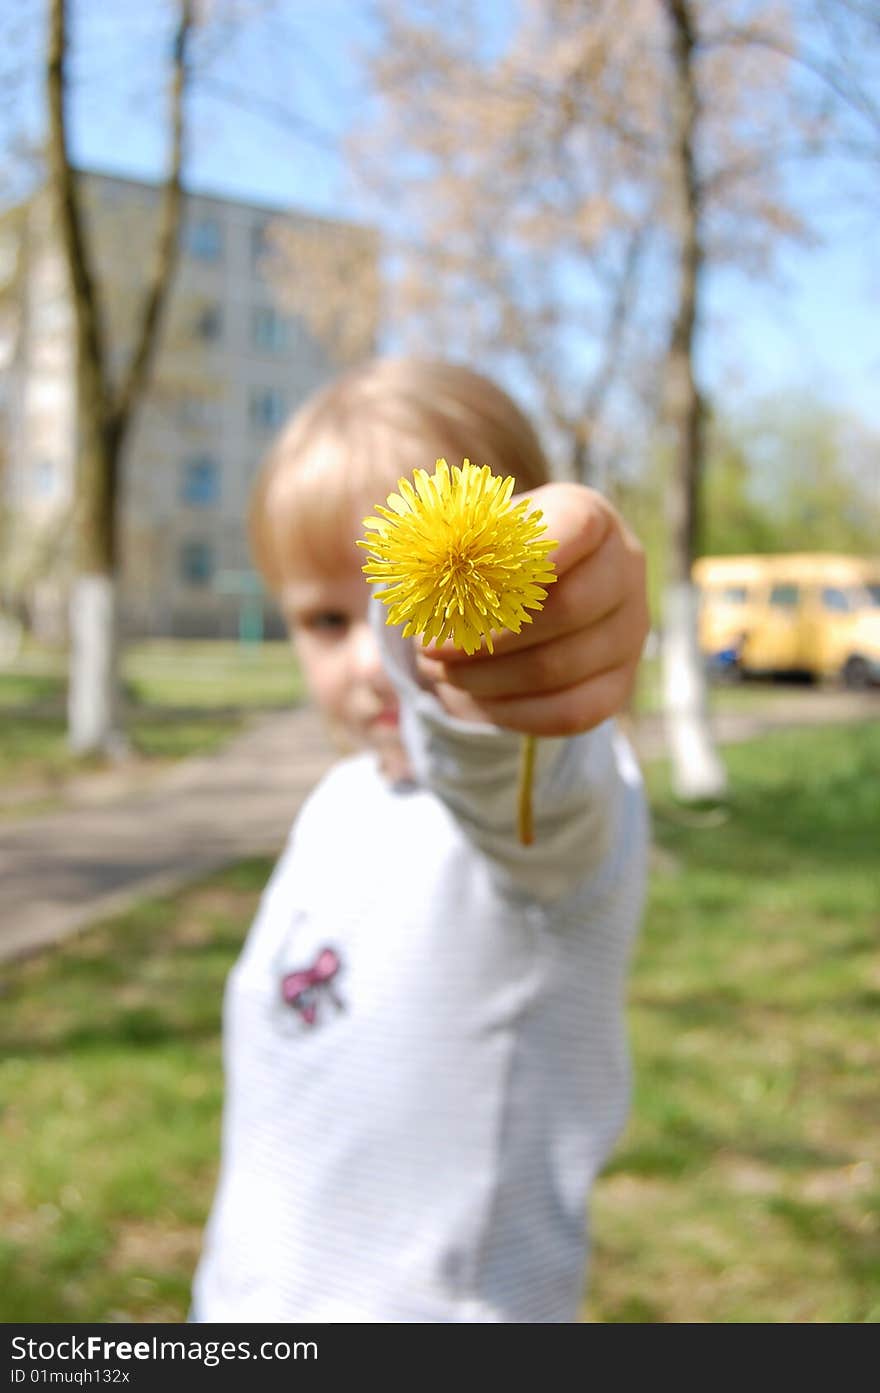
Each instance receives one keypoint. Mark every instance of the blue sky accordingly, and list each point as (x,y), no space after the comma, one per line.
(811,329)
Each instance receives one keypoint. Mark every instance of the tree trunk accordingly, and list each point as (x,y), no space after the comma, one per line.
(93,715)
(104,415)
(697,771)
(92,705)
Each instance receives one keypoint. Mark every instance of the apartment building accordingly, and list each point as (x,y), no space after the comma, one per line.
(233,362)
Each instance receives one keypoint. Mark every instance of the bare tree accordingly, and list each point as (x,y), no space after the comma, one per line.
(106,407)
(509,238)
(729,203)
(557,194)
(698,771)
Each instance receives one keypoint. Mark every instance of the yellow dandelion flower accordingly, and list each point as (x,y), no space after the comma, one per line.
(455,559)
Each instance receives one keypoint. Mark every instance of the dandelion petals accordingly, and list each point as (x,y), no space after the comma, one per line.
(455,559)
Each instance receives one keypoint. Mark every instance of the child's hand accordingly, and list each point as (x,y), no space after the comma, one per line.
(575,664)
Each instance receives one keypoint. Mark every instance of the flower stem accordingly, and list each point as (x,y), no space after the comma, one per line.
(524,793)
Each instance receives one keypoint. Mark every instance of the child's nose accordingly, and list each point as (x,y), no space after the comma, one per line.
(368,658)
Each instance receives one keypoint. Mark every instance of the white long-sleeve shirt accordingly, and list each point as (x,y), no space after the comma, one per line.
(413,1133)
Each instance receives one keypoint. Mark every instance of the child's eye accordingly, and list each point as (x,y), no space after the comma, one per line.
(329,621)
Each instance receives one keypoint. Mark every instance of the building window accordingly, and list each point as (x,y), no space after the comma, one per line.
(270,330)
(51,314)
(785,596)
(197,563)
(44,478)
(209,323)
(260,244)
(200,485)
(195,413)
(267,408)
(203,239)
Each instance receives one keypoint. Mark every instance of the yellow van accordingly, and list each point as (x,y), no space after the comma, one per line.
(870,575)
(812,613)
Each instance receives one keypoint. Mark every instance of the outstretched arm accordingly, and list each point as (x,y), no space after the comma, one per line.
(561,678)
(575,664)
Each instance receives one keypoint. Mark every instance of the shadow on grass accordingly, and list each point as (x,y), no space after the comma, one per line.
(729,1009)
(709,1008)
(141,980)
(36,691)
(828,806)
(634,1310)
(690,1149)
(144,1028)
(856,1251)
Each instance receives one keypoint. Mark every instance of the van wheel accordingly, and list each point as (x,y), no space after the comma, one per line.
(731,673)
(856,674)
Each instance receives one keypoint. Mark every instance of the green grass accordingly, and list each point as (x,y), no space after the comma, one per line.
(180,698)
(748,695)
(745,1188)
(747,1184)
(206,674)
(110,1093)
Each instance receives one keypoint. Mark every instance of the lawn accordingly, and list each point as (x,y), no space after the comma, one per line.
(746,694)
(745,1188)
(747,1185)
(180,698)
(189,697)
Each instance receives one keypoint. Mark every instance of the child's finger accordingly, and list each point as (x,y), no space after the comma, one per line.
(578,518)
(592,588)
(565,713)
(554,665)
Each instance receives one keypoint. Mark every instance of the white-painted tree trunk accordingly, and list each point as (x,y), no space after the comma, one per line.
(697,771)
(93,690)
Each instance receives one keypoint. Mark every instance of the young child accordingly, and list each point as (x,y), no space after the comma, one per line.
(425,1051)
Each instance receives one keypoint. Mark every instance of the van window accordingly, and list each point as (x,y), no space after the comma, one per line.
(785,596)
(835,599)
(847,601)
(734,595)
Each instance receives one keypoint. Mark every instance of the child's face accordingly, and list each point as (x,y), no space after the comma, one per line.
(329,623)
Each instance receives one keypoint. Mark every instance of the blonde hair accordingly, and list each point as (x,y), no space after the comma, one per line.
(345,448)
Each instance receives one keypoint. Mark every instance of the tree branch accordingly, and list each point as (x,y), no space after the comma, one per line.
(87,311)
(839,83)
(716,184)
(684,402)
(613,340)
(272,110)
(168,237)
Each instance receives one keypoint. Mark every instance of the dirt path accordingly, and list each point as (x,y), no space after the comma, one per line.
(68,869)
(784,710)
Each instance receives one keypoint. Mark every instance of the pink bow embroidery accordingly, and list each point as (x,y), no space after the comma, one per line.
(303,989)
